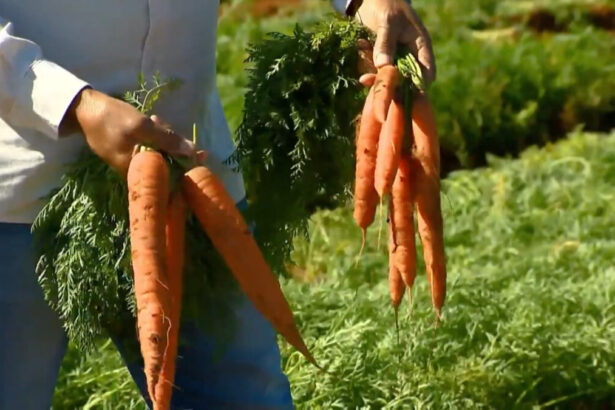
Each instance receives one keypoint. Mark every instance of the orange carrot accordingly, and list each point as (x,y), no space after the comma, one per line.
(229,233)
(387,79)
(396,284)
(402,218)
(389,148)
(365,195)
(175,240)
(148,194)
(427,168)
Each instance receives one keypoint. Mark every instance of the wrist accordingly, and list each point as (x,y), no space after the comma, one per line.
(70,122)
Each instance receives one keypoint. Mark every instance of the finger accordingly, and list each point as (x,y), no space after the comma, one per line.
(417,38)
(421,48)
(364,45)
(386,40)
(366,57)
(158,121)
(426,59)
(167,140)
(367,80)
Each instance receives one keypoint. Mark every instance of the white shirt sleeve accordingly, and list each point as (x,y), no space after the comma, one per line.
(34,93)
(339,5)
(347,7)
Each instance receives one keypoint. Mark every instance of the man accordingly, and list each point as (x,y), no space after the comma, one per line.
(60,62)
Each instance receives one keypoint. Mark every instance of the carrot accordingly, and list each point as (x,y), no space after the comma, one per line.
(402,218)
(229,233)
(365,196)
(148,194)
(396,284)
(175,241)
(387,79)
(429,215)
(389,148)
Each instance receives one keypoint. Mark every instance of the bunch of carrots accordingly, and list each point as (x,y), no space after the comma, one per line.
(158,209)
(397,158)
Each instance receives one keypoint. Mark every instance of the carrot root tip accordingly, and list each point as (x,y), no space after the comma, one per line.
(396,309)
(410,302)
(363,235)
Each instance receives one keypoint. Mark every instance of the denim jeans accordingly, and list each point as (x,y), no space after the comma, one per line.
(33,343)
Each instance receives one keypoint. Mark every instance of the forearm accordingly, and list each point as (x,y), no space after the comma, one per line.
(70,123)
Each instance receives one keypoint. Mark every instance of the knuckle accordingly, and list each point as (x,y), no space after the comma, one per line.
(137,124)
(143,123)
(388,19)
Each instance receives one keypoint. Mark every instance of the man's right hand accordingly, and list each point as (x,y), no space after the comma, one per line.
(112,128)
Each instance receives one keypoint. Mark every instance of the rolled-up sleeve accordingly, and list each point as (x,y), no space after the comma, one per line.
(348,7)
(34,92)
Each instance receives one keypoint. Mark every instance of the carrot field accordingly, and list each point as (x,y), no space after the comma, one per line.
(525,103)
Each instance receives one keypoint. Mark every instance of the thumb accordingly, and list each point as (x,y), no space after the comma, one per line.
(366,57)
(384,47)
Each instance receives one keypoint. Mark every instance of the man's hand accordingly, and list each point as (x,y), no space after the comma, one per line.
(112,128)
(395,22)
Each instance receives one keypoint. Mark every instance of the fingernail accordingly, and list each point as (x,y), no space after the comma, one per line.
(156,120)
